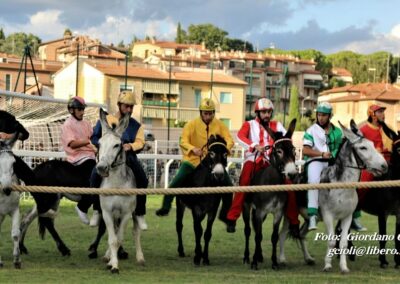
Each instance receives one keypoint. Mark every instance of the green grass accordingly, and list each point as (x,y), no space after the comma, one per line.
(44,264)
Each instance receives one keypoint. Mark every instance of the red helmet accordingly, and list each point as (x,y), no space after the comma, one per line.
(373,108)
(263,104)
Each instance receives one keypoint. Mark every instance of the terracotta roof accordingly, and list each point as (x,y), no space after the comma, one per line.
(340,72)
(310,72)
(366,91)
(171,44)
(51,68)
(6,55)
(149,73)
(52,41)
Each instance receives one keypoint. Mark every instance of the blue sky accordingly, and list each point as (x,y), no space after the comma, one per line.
(325,25)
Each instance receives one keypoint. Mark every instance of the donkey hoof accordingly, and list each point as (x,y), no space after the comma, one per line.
(310,262)
(17,265)
(384,265)
(93,255)
(1,265)
(345,271)
(352,257)
(122,254)
(114,270)
(275,266)
(65,251)
(23,249)
(109,266)
(196,261)
(206,262)
(327,269)
(254,266)
(246,260)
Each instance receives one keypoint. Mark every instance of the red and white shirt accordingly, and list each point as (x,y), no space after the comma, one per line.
(252,133)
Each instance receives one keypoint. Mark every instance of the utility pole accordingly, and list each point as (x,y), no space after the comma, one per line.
(77,70)
(126,70)
(286,75)
(169,99)
(251,88)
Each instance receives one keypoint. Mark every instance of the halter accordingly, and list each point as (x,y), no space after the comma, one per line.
(115,163)
(397,141)
(360,164)
(281,140)
(216,143)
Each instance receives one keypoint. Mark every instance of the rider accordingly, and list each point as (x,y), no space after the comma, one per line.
(133,142)
(194,137)
(8,126)
(372,130)
(254,138)
(321,142)
(75,139)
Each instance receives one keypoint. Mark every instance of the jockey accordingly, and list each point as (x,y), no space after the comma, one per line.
(8,126)
(75,139)
(194,137)
(133,142)
(372,130)
(321,142)
(253,137)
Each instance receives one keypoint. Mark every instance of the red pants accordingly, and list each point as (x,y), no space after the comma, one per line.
(239,197)
(365,176)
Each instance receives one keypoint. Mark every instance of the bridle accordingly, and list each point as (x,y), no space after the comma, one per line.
(360,163)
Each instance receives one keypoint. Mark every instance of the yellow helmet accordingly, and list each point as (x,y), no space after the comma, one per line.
(207,105)
(127,97)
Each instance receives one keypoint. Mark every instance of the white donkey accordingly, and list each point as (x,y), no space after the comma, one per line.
(357,153)
(9,200)
(117,209)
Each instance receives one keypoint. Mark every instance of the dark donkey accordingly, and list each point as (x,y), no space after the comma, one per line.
(383,202)
(282,165)
(209,173)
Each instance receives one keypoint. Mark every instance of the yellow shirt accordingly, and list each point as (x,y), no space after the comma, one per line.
(194,135)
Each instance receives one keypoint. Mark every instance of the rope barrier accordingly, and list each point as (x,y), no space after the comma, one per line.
(207,190)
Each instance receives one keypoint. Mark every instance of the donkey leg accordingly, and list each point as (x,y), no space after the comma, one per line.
(48,223)
(282,239)
(328,220)
(100,233)
(138,244)
(25,223)
(180,210)
(345,225)
(257,225)
(15,236)
(397,242)
(382,218)
(112,243)
(274,239)
(207,237)
(198,231)
(247,233)
(1,222)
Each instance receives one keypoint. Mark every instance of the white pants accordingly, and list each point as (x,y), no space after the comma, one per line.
(314,176)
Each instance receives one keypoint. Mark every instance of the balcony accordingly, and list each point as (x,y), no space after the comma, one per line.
(313,84)
(158,103)
(181,114)
(272,83)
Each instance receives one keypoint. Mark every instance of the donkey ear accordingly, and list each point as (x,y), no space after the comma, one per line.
(292,127)
(123,124)
(347,133)
(354,128)
(389,132)
(103,121)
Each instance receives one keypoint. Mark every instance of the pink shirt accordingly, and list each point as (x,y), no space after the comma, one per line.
(74,129)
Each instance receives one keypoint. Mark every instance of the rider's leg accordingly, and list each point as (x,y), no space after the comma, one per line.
(292,212)
(314,174)
(184,171)
(226,200)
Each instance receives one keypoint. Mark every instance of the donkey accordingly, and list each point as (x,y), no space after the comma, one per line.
(282,166)
(9,200)
(116,209)
(209,173)
(356,153)
(383,202)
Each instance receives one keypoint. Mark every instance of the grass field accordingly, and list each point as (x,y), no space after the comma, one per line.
(44,264)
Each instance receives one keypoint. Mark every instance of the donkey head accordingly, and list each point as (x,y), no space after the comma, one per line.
(7,162)
(364,150)
(217,156)
(395,137)
(111,152)
(283,153)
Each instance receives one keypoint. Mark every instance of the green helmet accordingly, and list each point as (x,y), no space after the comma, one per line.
(324,107)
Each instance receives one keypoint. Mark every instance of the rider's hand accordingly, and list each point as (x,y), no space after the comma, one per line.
(127,147)
(4,135)
(259,148)
(197,152)
(326,155)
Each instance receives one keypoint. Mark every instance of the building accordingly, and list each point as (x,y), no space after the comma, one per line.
(341,74)
(97,81)
(352,102)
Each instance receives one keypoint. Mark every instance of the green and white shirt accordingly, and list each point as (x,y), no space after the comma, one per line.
(317,139)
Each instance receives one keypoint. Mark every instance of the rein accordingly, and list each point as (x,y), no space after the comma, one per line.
(115,163)
(397,141)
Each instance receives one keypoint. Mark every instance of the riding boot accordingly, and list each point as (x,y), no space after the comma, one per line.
(141,182)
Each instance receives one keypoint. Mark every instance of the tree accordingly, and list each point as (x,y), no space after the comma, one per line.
(180,34)
(211,35)
(67,32)
(121,44)
(294,106)
(238,44)
(2,35)
(15,43)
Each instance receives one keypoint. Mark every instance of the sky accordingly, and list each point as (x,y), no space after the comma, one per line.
(362,26)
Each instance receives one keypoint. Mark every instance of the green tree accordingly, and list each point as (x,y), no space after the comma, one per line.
(238,44)
(2,35)
(15,43)
(67,32)
(121,44)
(211,35)
(335,83)
(180,34)
(294,106)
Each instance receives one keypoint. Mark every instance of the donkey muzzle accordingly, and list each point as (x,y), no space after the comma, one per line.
(103,169)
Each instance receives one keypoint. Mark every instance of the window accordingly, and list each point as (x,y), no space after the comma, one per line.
(225,98)
(147,121)
(8,82)
(128,87)
(227,122)
(197,97)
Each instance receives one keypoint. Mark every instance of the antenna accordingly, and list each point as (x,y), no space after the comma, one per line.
(24,61)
